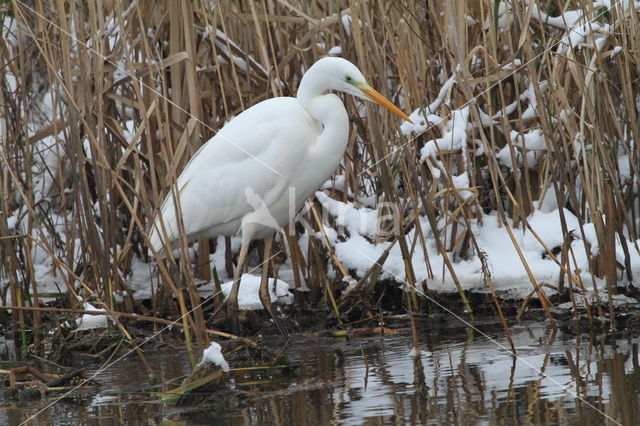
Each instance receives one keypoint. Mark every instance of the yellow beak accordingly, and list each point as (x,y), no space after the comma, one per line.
(375,96)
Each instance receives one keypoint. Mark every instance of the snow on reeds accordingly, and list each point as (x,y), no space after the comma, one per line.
(519,174)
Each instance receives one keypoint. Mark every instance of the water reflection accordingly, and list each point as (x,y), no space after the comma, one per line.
(462,378)
(123,396)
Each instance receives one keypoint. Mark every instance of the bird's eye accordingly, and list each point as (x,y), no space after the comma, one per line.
(348,78)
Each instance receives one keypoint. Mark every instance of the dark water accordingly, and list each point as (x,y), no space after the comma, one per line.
(464,378)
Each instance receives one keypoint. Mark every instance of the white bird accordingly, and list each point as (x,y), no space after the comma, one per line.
(280,150)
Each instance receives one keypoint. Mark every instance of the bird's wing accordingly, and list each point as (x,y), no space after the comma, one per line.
(256,150)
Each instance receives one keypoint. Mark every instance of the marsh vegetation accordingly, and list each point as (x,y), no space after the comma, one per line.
(514,193)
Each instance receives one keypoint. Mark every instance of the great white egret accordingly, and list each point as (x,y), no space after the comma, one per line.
(262,166)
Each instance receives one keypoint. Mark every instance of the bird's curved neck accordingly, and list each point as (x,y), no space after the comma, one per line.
(313,95)
(333,123)
(310,88)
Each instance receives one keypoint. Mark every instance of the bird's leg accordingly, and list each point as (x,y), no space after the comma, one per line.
(232,303)
(265,297)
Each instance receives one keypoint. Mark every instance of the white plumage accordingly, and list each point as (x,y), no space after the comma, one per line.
(277,148)
(256,150)
(254,174)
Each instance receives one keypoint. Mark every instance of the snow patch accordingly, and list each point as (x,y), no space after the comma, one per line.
(213,354)
(249,292)
(90,322)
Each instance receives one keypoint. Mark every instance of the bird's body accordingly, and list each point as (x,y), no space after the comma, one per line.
(299,156)
(255,173)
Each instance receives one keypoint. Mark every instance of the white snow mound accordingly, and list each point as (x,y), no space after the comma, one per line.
(213,354)
(248,296)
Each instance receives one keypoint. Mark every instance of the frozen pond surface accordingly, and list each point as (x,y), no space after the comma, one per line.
(462,378)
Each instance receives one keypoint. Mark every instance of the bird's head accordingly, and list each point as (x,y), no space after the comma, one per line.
(341,75)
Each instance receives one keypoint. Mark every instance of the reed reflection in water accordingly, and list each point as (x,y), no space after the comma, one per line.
(464,379)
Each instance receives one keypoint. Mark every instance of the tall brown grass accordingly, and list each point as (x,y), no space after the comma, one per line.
(135,87)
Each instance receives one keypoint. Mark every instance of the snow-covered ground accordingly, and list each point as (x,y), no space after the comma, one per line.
(356,247)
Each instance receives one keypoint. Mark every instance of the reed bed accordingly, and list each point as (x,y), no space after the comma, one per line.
(102,104)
